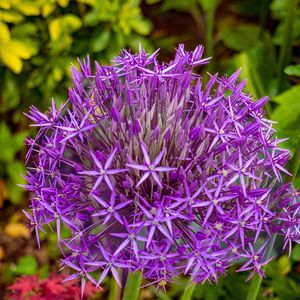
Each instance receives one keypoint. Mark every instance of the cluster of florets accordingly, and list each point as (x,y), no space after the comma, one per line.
(153,170)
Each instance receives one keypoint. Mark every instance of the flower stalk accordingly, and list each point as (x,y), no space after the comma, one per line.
(286,45)
(133,285)
(188,291)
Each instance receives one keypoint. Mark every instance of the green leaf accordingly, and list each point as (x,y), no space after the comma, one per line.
(91,18)
(63,25)
(292,70)
(27,265)
(279,34)
(246,7)
(10,92)
(136,40)
(44,272)
(10,145)
(239,37)
(6,144)
(141,26)
(257,67)
(243,61)
(278,6)
(288,109)
(284,265)
(10,16)
(99,40)
(287,115)
(89,2)
(36,78)
(234,283)
(279,267)
(16,193)
(15,170)
(25,29)
(284,288)
(296,253)
(149,2)
(19,139)
(179,5)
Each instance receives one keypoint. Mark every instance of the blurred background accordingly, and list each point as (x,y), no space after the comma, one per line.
(39,40)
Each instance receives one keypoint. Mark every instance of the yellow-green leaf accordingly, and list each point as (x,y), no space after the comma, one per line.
(99,40)
(284,265)
(5,4)
(4,33)
(11,17)
(288,108)
(47,9)
(24,30)
(242,60)
(62,25)
(73,22)
(55,29)
(89,2)
(31,46)
(57,74)
(293,70)
(29,8)
(141,26)
(19,49)
(11,60)
(63,3)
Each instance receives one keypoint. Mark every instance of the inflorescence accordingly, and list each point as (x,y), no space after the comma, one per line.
(151,169)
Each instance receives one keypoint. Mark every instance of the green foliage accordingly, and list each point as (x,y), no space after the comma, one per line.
(293,70)
(287,114)
(239,38)
(11,168)
(280,267)
(27,265)
(179,5)
(296,253)
(39,41)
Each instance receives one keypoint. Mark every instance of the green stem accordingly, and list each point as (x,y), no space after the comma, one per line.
(188,292)
(133,285)
(286,46)
(259,88)
(263,13)
(256,281)
(114,292)
(254,288)
(295,161)
(210,31)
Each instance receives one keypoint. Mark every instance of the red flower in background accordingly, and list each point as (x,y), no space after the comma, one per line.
(51,288)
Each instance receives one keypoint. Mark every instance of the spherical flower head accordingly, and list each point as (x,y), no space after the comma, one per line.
(151,169)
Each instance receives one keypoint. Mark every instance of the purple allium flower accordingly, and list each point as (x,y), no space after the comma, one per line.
(151,169)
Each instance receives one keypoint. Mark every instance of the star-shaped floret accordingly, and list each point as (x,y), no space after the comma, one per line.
(214,200)
(104,172)
(256,260)
(151,168)
(111,208)
(108,263)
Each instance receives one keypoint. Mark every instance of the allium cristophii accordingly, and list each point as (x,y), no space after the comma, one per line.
(153,170)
